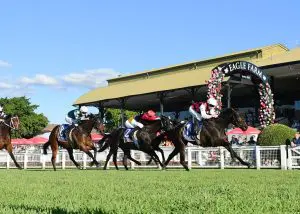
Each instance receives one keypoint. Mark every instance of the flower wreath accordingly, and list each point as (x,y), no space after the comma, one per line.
(266,111)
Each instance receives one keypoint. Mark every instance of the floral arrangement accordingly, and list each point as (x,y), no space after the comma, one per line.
(215,86)
(266,112)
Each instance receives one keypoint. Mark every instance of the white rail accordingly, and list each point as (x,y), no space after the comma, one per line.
(196,157)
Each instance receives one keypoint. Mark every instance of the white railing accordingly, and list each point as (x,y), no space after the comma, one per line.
(196,157)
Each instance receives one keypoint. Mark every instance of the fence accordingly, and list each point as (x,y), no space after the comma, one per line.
(278,157)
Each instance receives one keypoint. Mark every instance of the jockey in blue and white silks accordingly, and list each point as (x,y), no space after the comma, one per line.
(74,116)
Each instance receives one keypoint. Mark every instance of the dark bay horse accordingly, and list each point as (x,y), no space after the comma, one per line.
(212,135)
(6,125)
(78,138)
(115,140)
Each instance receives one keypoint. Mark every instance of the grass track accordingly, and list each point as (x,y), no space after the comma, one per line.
(171,191)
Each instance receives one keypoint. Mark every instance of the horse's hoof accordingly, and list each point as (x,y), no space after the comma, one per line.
(20,168)
(249,166)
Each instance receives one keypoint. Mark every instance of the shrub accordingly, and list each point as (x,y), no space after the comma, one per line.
(275,134)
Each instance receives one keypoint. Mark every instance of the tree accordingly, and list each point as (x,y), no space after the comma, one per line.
(31,123)
(113,118)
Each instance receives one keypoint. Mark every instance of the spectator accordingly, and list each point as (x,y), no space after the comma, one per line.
(296,125)
(252,142)
(296,140)
(240,141)
(234,140)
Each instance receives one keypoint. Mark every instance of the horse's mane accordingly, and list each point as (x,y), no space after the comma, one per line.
(226,112)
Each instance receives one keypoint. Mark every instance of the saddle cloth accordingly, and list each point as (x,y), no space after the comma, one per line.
(62,132)
(188,131)
(127,134)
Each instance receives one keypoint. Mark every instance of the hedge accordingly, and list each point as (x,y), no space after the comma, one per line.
(275,134)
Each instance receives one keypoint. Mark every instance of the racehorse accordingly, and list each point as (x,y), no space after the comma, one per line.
(145,135)
(78,137)
(211,135)
(6,125)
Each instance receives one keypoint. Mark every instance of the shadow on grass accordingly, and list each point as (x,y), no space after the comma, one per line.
(56,210)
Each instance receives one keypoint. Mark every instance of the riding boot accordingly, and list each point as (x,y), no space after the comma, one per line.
(199,128)
(194,129)
(136,143)
(131,135)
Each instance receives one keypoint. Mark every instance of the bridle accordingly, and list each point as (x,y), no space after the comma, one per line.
(166,123)
(11,122)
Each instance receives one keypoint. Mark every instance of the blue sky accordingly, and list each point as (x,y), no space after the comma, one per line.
(55,51)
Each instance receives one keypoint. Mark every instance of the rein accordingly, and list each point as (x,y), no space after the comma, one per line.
(11,124)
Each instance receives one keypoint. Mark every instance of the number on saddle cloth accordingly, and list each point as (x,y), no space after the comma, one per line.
(62,131)
(127,135)
(192,129)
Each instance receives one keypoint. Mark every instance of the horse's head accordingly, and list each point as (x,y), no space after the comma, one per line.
(166,123)
(12,121)
(98,123)
(234,118)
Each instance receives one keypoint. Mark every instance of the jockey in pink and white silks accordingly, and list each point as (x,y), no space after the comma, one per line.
(203,110)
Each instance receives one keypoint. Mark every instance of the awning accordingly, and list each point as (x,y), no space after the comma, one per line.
(141,89)
(238,131)
(32,141)
(96,136)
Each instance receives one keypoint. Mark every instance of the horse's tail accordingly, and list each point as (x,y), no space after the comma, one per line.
(51,136)
(45,147)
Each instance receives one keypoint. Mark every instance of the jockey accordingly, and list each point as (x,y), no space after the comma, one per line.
(133,123)
(150,115)
(205,110)
(74,116)
(2,114)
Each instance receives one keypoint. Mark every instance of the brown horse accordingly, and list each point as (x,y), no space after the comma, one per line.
(115,140)
(6,125)
(78,137)
(212,135)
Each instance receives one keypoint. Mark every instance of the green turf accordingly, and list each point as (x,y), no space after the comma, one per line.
(171,191)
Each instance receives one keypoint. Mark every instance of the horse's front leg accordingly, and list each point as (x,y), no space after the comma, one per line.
(9,150)
(86,150)
(70,151)
(234,154)
(131,158)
